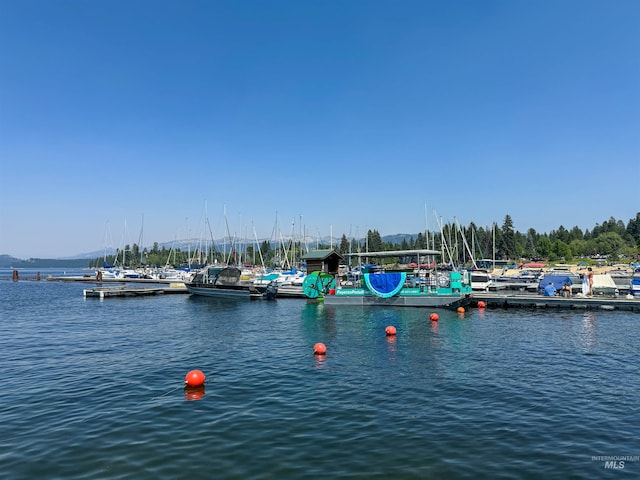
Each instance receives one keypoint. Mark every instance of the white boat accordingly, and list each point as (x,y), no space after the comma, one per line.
(603,284)
(227,282)
(109,273)
(480,280)
(289,282)
(173,275)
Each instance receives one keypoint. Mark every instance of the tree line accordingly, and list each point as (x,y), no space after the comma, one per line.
(613,238)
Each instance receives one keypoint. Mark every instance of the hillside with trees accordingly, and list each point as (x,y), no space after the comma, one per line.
(611,239)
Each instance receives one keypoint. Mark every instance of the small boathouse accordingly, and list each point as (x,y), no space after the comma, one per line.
(326,261)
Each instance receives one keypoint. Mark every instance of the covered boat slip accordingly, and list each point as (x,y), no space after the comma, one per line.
(419,253)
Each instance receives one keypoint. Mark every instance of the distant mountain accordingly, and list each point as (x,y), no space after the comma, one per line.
(82,259)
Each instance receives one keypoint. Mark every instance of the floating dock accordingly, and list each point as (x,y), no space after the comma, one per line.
(520,300)
(92,279)
(130,291)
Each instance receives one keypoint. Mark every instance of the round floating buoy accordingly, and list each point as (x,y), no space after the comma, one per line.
(390,330)
(460,309)
(195,378)
(481,304)
(320,349)
(434,317)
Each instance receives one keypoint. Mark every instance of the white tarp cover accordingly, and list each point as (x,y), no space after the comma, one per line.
(604,283)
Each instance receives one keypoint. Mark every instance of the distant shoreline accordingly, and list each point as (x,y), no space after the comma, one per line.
(11,262)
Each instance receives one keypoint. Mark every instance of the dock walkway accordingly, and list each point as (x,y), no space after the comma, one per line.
(131,291)
(520,300)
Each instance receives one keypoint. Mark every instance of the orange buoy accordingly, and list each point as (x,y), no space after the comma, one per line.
(481,304)
(434,317)
(460,309)
(390,330)
(320,349)
(195,378)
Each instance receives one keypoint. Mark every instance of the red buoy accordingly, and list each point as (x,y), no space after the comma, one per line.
(390,330)
(195,378)
(460,309)
(434,317)
(481,304)
(320,349)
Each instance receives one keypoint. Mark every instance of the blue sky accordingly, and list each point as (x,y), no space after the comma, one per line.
(325,116)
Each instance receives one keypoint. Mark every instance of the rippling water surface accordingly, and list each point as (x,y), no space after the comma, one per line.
(94,389)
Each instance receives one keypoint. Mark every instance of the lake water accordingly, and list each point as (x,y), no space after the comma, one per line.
(94,389)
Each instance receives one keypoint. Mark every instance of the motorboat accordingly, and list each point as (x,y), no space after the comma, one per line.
(227,282)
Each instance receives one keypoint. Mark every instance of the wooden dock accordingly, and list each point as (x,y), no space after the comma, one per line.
(524,300)
(92,279)
(132,291)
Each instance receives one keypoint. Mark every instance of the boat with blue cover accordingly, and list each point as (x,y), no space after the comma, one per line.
(634,284)
(402,287)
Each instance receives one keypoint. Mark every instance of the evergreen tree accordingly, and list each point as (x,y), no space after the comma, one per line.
(374,241)
(633,229)
(344,244)
(507,243)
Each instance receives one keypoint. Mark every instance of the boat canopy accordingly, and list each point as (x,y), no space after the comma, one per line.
(385,285)
(558,281)
(394,253)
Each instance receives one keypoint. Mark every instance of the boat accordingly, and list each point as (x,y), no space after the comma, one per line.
(169,274)
(480,280)
(289,282)
(634,284)
(227,282)
(401,287)
(559,277)
(621,275)
(603,284)
(521,280)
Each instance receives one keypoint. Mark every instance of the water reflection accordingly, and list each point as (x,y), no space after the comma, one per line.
(434,326)
(588,332)
(391,347)
(318,322)
(320,361)
(194,393)
(218,304)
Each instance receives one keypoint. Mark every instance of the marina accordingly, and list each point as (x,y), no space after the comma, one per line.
(520,296)
(490,299)
(96,389)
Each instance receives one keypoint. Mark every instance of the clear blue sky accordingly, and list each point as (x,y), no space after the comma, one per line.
(340,116)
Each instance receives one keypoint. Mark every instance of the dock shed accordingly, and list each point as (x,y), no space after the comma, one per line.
(327,261)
